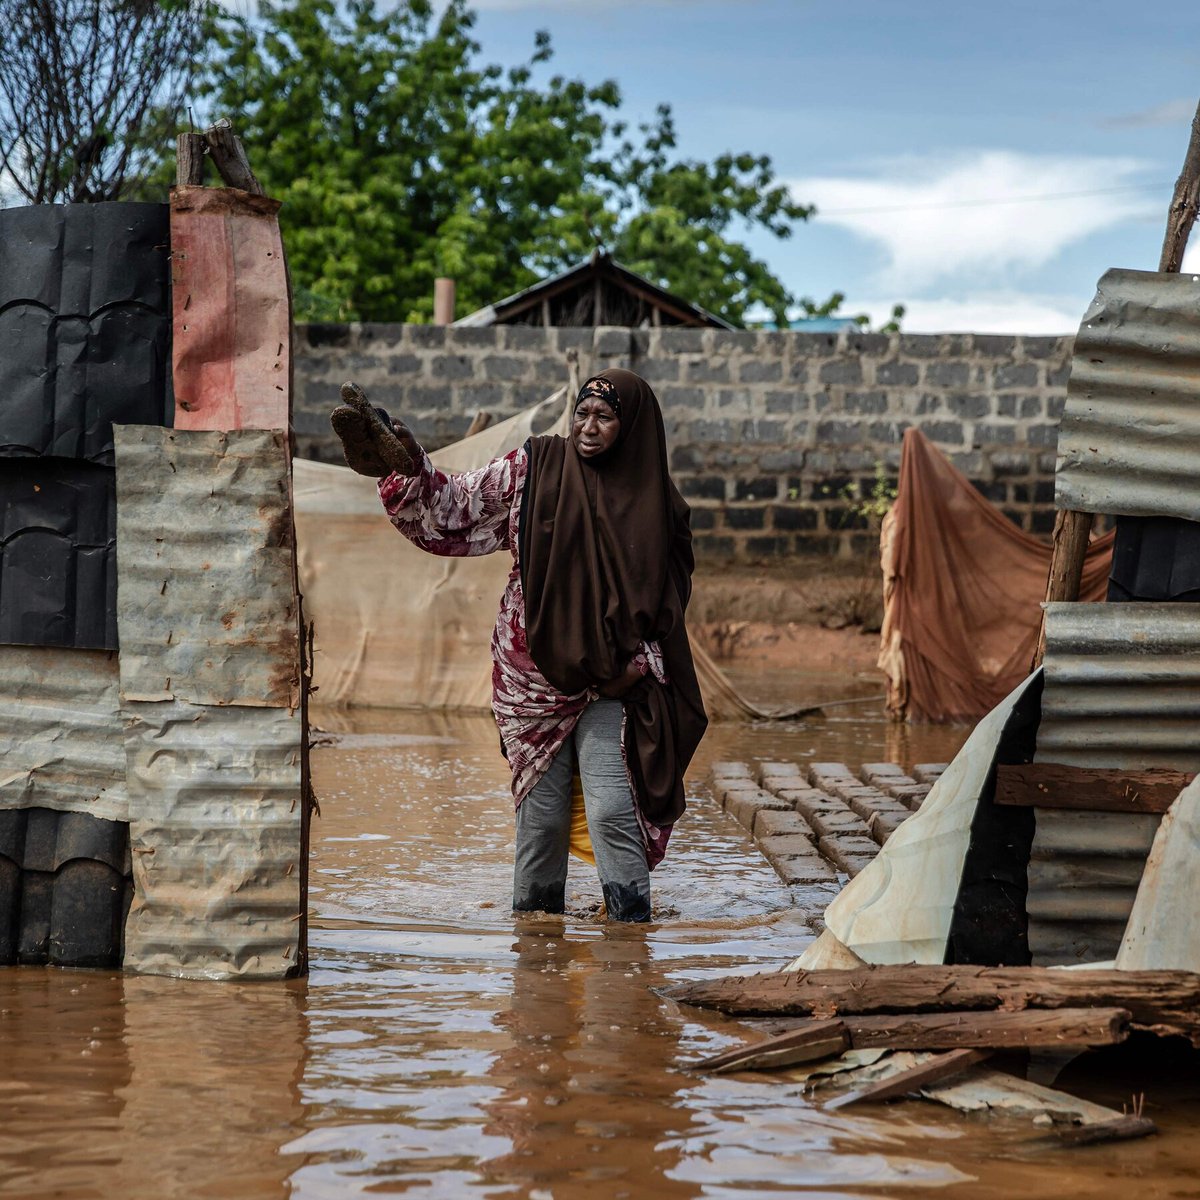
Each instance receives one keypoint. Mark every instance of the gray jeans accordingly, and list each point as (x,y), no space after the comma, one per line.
(544,823)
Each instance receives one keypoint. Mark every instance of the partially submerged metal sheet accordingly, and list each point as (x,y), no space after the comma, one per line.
(206,605)
(61,736)
(1122,690)
(58,553)
(232,346)
(64,888)
(1129,441)
(85,326)
(216,839)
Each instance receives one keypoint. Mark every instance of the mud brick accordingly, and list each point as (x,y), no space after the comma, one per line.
(928,772)
(883,824)
(901,785)
(805,870)
(790,845)
(849,854)
(745,808)
(792,793)
(813,899)
(839,823)
(770,823)
(880,774)
(850,789)
(727,790)
(730,770)
(867,806)
(912,797)
(822,774)
(778,770)
(817,802)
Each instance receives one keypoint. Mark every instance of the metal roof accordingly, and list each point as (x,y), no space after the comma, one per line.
(206,598)
(1122,686)
(1129,441)
(61,734)
(599,266)
(215,831)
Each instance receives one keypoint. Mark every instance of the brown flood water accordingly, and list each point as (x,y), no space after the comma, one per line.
(441,1049)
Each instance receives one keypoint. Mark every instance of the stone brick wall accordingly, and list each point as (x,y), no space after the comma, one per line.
(772,434)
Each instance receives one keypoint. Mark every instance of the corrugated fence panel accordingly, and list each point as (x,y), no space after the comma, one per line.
(206,604)
(1122,690)
(85,326)
(58,553)
(61,737)
(1129,441)
(215,835)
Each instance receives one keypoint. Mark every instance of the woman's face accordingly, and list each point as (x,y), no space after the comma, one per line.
(594,427)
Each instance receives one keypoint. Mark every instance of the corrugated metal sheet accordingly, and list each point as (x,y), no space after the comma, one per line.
(216,839)
(1122,690)
(1129,442)
(61,736)
(1122,686)
(64,888)
(85,326)
(58,553)
(206,602)
(233,319)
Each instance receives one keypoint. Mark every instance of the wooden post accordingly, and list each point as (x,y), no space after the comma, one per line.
(443,301)
(189,159)
(1184,203)
(1071,532)
(229,157)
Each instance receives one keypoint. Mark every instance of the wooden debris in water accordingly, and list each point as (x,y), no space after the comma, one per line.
(818,1040)
(933,1070)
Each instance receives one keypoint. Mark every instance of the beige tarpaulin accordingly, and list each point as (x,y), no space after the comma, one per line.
(399,628)
(898,908)
(962,593)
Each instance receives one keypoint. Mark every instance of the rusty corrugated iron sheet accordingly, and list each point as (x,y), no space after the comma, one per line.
(61,736)
(1122,686)
(232,310)
(1122,690)
(216,839)
(206,600)
(1129,438)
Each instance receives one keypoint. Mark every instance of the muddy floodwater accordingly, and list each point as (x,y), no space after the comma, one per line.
(441,1048)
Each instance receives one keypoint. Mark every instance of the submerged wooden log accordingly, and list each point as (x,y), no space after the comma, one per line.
(817,1040)
(935,1070)
(1120,1129)
(1166,1002)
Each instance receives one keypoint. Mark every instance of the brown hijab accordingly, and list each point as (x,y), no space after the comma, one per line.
(606,563)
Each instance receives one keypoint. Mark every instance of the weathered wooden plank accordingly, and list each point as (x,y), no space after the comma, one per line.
(817,1040)
(1165,1001)
(1121,1129)
(934,1070)
(1094,789)
(1060,1028)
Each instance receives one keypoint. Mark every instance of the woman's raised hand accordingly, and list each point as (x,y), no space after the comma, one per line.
(373,444)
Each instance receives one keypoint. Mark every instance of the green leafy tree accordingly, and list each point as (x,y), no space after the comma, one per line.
(400,156)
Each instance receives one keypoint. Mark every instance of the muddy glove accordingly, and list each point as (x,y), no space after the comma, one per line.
(372,442)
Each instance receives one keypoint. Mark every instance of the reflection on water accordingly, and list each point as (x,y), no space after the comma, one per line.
(441,1048)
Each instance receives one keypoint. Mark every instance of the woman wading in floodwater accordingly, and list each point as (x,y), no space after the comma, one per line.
(592,670)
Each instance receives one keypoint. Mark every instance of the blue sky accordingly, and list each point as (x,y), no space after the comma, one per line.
(983,163)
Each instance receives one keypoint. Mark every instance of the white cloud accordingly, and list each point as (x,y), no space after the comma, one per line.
(1173,112)
(1191,256)
(987,214)
(981,312)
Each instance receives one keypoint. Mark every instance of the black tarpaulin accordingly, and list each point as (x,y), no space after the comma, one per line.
(58,562)
(85,326)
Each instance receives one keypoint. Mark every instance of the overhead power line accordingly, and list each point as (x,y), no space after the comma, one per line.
(895,208)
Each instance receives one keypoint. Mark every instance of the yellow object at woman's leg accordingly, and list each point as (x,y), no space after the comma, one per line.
(581,840)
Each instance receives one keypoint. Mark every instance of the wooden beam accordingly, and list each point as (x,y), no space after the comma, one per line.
(1070,543)
(189,160)
(935,1070)
(1184,204)
(1166,1001)
(1091,789)
(1121,1129)
(1031,1028)
(229,157)
(817,1040)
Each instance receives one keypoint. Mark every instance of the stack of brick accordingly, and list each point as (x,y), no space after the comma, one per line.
(817,827)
